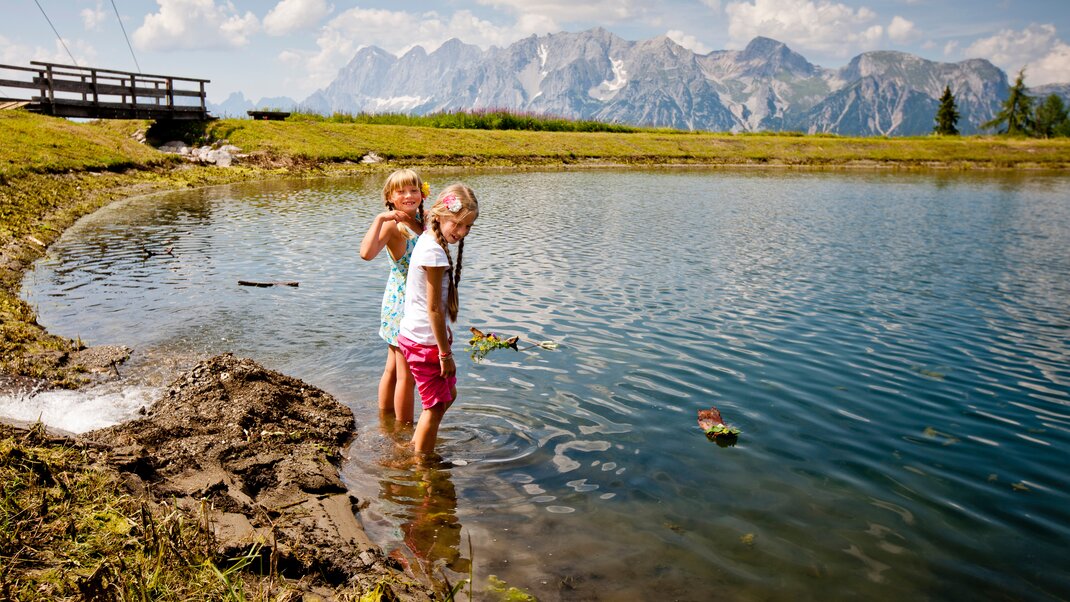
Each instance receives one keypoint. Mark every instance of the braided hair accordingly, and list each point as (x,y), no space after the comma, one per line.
(439,210)
(399,179)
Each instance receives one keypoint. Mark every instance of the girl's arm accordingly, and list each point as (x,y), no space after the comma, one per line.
(381,233)
(436,314)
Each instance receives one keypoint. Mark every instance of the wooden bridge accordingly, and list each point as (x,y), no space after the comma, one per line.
(71,91)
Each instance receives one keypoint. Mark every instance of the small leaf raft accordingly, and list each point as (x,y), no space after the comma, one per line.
(483,343)
(710,420)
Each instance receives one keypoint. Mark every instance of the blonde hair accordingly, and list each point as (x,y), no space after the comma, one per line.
(438,211)
(399,179)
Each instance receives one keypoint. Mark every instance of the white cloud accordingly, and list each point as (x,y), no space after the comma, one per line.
(93,17)
(570,11)
(14,53)
(825,27)
(294,15)
(901,30)
(714,4)
(688,41)
(195,25)
(1044,56)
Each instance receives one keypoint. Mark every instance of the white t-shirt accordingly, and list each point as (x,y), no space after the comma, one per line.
(415,324)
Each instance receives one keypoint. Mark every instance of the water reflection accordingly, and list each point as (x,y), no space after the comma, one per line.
(422,499)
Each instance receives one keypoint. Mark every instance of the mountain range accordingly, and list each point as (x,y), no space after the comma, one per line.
(597,75)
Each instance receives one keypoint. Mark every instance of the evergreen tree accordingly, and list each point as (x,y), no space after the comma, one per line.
(947,116)
(1051,117)
(1017,111)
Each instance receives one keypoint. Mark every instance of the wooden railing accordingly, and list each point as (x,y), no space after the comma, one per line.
(72,91)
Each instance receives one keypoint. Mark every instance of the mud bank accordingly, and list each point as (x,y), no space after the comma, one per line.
(257,452)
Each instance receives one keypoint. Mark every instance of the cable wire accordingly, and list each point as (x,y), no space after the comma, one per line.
(121,26)
(56,32)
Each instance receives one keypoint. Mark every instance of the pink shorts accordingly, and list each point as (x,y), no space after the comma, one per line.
(426,370)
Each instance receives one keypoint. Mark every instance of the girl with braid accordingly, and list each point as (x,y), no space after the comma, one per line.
(396,230)
(425,338)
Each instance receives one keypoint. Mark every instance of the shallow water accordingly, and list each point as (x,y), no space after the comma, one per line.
(893,346)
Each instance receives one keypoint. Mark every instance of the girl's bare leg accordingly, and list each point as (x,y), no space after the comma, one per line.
(427,428)
(388,382)
(404,396)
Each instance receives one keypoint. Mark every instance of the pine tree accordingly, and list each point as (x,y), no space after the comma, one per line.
(947,116)
(1051,117)
(1017,111)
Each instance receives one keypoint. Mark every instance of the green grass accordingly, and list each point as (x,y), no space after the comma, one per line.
(67,532)
(339,142)
(33,144)
(472,120)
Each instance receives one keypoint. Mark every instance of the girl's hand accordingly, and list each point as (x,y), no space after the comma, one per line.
(447,367)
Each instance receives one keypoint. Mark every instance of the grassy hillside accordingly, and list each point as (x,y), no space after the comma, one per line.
(34,144)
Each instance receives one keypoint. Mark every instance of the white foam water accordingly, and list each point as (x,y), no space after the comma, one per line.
(78,411)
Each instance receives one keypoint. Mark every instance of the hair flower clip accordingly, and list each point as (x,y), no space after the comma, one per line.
(425,188)
(452,203)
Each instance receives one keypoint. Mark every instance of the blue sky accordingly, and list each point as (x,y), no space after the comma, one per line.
(294,47)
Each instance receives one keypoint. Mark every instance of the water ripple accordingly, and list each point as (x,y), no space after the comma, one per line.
(893,346)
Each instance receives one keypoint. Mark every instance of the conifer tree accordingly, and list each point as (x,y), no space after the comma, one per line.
(1017,111)
(1051,117)
(947,116)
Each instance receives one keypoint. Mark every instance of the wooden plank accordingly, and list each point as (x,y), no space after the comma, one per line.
(11,83)
(82,70)
(78,87)
(6,105)
(18,68)
(122,112)
(74,102)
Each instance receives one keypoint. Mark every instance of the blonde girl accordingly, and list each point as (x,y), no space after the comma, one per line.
(425,338)
(396,230)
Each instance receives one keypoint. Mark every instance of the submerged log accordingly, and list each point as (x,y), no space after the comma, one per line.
(266,284)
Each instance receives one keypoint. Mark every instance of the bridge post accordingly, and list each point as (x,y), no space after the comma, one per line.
(51,87)
(96,95)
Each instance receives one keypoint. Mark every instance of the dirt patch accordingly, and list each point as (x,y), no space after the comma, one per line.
(261,450)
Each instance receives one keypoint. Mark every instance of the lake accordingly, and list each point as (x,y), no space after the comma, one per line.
(895,348)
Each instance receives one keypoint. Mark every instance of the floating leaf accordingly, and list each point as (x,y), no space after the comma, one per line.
(710,420)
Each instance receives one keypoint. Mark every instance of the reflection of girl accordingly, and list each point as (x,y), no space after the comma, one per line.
(425,502)
(396,231)
(430,297)
(433,532)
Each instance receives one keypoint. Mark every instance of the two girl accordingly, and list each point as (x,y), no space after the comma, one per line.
(421,294)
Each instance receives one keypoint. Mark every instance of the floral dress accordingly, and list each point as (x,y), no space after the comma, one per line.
(394,295)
